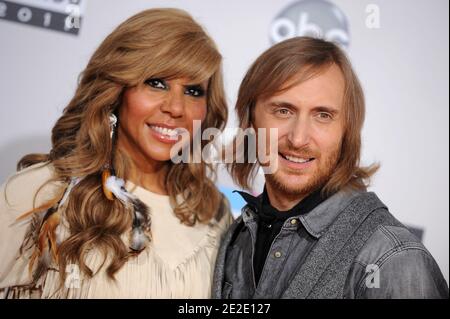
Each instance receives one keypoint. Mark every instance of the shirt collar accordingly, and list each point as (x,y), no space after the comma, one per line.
(315,212)
(260,206)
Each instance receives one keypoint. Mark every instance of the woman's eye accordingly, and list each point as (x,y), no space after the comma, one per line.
(156,83)
(196,91)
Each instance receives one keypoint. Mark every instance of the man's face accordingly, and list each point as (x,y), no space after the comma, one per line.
(309,119)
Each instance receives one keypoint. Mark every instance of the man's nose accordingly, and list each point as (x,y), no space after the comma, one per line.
(300,133)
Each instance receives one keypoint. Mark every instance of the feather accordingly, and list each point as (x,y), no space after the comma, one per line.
(138,240)
(117,186)
(45,242)
(39,209)
(140,232)
(106,174)
(41,234)
(73,182)
(43,265)
(142,213)
(32,233)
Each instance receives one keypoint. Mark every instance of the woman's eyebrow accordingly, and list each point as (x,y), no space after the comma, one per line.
(196,85)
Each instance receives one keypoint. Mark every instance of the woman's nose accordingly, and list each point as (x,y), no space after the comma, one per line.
(174,103)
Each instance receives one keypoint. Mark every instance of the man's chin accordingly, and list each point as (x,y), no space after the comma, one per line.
(289,184)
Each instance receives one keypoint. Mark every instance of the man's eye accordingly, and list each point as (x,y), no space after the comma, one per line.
(325,116)
(196,91)
(283,112)
(156,83)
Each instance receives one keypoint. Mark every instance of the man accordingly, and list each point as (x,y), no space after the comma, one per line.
(315,232)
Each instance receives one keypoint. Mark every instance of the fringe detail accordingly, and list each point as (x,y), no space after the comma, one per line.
(148,276)
(145,276)
(21,292)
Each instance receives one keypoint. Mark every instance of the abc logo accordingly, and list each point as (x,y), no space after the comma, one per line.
(314,18)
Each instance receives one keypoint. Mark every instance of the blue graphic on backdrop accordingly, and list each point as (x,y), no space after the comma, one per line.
(236,201)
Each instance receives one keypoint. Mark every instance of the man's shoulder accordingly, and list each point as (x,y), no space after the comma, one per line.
(402,264)
(388,236)
(386,241)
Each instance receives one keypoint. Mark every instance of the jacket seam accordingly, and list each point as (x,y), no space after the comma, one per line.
(386,256)
(391,236)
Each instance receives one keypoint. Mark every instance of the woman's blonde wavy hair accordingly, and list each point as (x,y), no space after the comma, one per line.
(162,43)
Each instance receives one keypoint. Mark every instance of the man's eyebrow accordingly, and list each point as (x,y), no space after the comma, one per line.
(320,108)
(281,104)
(327,109)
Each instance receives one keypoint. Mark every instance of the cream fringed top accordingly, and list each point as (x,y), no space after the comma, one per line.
(178,263)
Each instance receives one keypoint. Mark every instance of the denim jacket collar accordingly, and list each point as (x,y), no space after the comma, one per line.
(317,221)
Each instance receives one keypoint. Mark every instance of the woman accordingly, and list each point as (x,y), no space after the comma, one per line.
(107,213)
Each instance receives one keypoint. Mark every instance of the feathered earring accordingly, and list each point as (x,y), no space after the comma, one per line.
(107,169)
(114,187)
(140,233)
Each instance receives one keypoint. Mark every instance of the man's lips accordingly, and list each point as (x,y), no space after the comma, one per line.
(296,162)
(297,158)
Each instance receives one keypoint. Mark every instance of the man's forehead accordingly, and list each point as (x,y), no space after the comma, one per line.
(326,87)
(314,83)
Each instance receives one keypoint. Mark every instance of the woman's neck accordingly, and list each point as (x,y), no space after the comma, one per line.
(145,172)
(151,178)
(149,174)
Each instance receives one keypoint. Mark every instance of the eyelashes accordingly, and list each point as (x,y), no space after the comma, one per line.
(157,83)
(195,90)
(192,90)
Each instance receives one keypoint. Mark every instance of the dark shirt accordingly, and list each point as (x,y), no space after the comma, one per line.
(271,220)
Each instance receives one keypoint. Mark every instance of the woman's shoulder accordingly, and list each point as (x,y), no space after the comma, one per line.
(29,187)
(21,192)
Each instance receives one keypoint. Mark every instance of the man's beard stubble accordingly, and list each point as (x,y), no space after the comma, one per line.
(320,177)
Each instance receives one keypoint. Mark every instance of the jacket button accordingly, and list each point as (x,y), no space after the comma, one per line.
(277,254)
(293,221)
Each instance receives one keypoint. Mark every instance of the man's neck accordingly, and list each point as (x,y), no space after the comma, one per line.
(282,201)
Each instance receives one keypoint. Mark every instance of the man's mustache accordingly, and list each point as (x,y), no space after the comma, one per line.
(302,152)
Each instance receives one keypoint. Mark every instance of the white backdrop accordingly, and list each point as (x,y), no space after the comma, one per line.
(403,65)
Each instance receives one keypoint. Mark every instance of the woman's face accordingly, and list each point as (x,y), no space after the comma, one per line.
(151,113)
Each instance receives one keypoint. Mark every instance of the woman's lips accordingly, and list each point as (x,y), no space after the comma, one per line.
(164,133)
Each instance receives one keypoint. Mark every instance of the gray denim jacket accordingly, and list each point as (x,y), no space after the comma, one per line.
(349,246)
